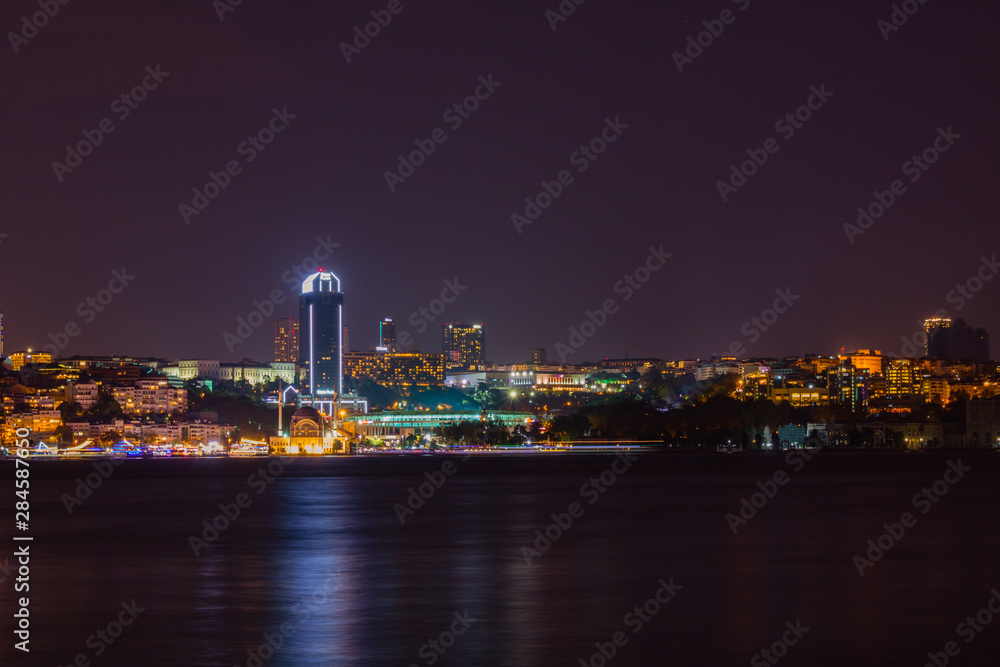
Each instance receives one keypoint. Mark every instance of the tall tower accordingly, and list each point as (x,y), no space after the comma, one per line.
(463,345)
(387,334)
(931,326)
(321,331)
(286,339)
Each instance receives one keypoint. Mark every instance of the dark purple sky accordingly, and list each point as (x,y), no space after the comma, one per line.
(323,176)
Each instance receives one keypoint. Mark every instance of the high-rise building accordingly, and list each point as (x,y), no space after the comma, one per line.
(463,345)
(347,344)
(931,324)
(387,334)
(1,335)
(321,333)
(286,340)
(539,356)
(904,378)
(849,385)
(957,341)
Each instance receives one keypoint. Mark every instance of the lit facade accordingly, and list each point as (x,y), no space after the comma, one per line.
(904,378)
(189,369)
(150,396)
(309,433)
(870,360)
(286,340)
(321,333)
(258,373)
(19,360)
(387,335)
(400,369)
(463,345)
(800,396)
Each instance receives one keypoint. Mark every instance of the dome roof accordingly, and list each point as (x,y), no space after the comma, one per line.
(307,422)
(307,412)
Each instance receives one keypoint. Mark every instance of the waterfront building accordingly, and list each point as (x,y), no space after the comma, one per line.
(403,423)
(309,433)
(321,333)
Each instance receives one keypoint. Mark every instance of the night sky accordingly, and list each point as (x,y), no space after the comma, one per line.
(323,176)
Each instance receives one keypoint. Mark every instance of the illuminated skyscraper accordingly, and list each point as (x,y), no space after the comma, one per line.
(463,345)
(959,341)
(932,324)
(387,334)
(286,340)
(1,335)
(347,339)
(321,331)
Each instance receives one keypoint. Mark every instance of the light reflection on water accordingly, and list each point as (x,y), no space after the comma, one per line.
(325,555)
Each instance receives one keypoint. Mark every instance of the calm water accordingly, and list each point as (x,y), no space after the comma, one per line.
(330,525)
